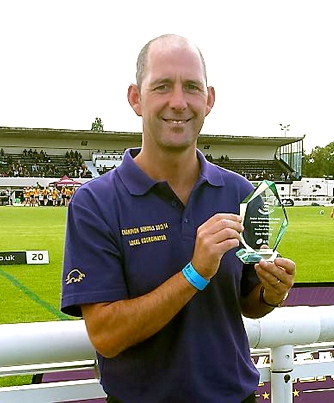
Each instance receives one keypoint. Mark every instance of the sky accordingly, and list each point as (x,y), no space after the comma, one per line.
(66,62)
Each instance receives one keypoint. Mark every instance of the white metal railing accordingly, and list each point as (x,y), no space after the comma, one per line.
(48,347)
(286,331)
(42,347)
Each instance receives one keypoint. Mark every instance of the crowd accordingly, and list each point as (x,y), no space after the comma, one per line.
(257,173)
(33,163)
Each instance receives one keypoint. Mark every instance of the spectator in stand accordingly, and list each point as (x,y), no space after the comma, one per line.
(34,168)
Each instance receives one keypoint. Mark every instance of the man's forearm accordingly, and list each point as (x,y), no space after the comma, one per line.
(113,327)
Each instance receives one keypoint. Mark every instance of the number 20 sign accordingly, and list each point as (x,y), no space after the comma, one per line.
(37,257)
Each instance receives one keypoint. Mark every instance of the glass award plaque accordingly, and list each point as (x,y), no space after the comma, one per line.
(265,221)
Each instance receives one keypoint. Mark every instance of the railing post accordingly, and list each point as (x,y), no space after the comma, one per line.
(281,367)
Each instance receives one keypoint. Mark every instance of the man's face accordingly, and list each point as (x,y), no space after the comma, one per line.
(174,99)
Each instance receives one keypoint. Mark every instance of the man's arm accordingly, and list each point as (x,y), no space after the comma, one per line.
(113,327)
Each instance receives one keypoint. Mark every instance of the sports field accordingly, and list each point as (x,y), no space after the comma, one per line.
(32,292)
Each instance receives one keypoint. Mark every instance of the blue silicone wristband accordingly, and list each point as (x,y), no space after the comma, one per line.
(194,278)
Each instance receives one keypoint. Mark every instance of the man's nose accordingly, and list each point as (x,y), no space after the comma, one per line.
(178,99)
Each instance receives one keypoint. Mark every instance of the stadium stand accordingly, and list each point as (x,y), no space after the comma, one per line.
(252,169)
(40,164)
(30,155)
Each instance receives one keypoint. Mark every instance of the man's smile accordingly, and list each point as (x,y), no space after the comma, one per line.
(176,122)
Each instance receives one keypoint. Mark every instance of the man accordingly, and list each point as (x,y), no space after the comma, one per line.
(150,252)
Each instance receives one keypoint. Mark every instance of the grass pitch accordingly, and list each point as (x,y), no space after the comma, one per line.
(32,292)
(308,242)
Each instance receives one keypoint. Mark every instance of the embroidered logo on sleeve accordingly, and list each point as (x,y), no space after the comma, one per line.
(74,276)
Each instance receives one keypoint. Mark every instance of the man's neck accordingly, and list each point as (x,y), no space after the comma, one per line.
(179,170)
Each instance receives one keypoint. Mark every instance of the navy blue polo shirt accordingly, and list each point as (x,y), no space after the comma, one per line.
(126,234)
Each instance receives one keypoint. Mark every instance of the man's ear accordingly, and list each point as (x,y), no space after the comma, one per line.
(211,100)
(134,98)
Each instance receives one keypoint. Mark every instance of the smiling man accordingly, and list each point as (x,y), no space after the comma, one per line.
(161,290)
(171,96)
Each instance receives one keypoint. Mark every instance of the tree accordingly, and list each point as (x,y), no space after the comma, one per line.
(97,126)
(320,162)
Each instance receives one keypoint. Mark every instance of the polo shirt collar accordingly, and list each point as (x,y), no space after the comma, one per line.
(210,173)
(138,183)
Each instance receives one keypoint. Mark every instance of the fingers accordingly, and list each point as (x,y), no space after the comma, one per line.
(278,275)
(287,265)
(221,222)
(221,232)
(215,237)
(224,216)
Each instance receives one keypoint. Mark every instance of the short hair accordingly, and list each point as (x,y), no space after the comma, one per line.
(143,56)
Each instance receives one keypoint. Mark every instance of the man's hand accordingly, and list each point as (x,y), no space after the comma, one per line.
(277,278)
(215,237)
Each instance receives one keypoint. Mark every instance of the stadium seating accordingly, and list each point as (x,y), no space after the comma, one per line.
(40,164)
(257,169)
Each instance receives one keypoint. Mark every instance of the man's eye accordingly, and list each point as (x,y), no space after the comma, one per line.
(161,88)
(191,88)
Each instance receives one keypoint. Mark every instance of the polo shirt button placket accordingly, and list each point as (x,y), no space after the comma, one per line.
(187,229)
